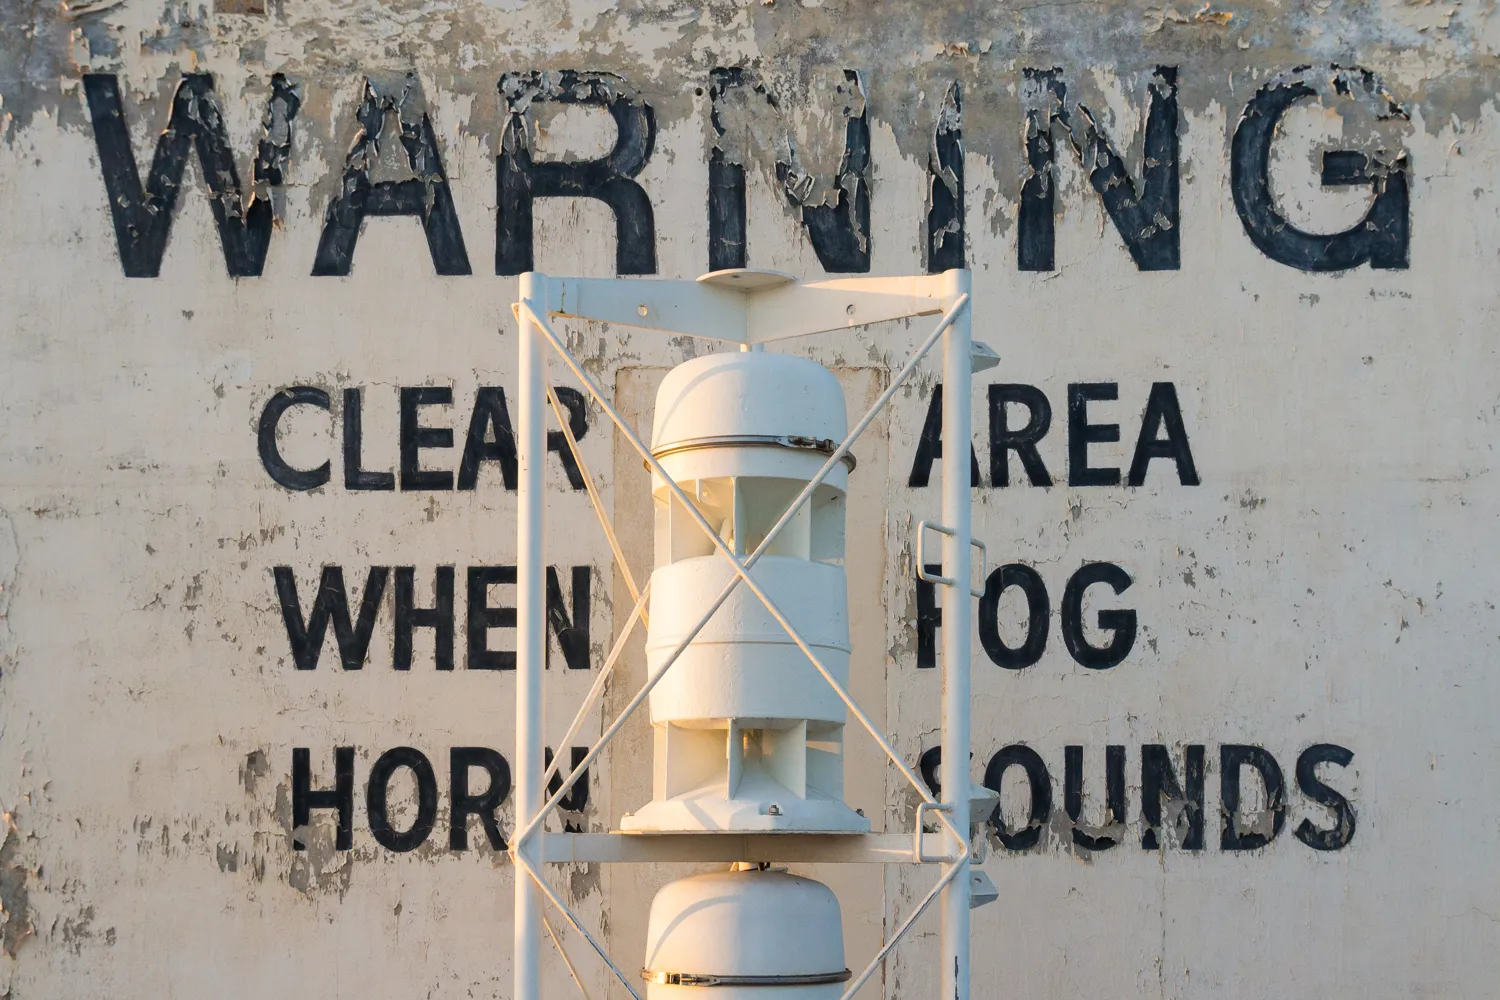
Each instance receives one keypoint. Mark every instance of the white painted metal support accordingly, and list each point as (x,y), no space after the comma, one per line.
(954,770)
(531,639)
(525,867)
(637,613)
(763,306)
(771,310)
(572,971)
(594,498)
(945,883)
(789,848)
(958,308)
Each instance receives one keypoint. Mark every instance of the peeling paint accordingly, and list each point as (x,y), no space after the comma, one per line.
(15,897)
(10,567)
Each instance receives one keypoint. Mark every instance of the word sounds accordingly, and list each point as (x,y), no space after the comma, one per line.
(1170,800)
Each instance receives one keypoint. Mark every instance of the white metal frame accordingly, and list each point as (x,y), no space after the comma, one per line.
(749,309)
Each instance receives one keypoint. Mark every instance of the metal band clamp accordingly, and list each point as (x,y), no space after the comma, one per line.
(697,979)
(825,446)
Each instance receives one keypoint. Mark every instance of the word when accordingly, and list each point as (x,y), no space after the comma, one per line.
(568,622)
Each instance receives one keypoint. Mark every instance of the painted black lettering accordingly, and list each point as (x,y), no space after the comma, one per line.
(424,195)
(727,243)
(1040,782)
(1114,795)
(1382,238)
(1120,623)
(385,767)
(340,797)
(1081,433)
(490,439)
(929,766)
(270,455)
(929,619)
(577,798)
(1038,612)
(578,422)
(464,803)
(930,446)
(945,186)
(1158,782)
(1145,214)
(839,232)
(522,180)
(570,628)
(1023,442)
(1162,409)
(143,216)
(415,437)
(483,617)
(1238,835)
(439,617)
(1338,836)
(332,602)
(355,477)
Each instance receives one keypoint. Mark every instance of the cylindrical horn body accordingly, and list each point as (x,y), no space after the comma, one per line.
(748,734)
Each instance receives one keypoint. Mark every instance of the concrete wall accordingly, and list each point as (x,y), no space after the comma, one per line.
(1238,260)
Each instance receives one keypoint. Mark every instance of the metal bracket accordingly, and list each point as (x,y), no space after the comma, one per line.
(982,802)
(981,890)
(922,574)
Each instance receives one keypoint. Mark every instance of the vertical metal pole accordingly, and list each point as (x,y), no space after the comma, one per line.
(531,632)
(954,772)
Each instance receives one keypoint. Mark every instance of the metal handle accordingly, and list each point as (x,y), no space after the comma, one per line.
(922,808)
(942,529)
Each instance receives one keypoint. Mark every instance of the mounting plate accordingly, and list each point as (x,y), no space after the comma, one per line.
(746,279)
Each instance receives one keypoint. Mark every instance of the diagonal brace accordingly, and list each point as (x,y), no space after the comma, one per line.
(568,915)
(636,613)
(742,568)
(901,932)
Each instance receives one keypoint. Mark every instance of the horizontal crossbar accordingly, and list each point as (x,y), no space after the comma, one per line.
(800,848)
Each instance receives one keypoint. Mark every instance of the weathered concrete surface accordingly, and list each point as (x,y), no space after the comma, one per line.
(1327,581)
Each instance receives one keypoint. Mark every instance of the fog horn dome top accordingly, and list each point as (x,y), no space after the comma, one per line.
(749,398)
